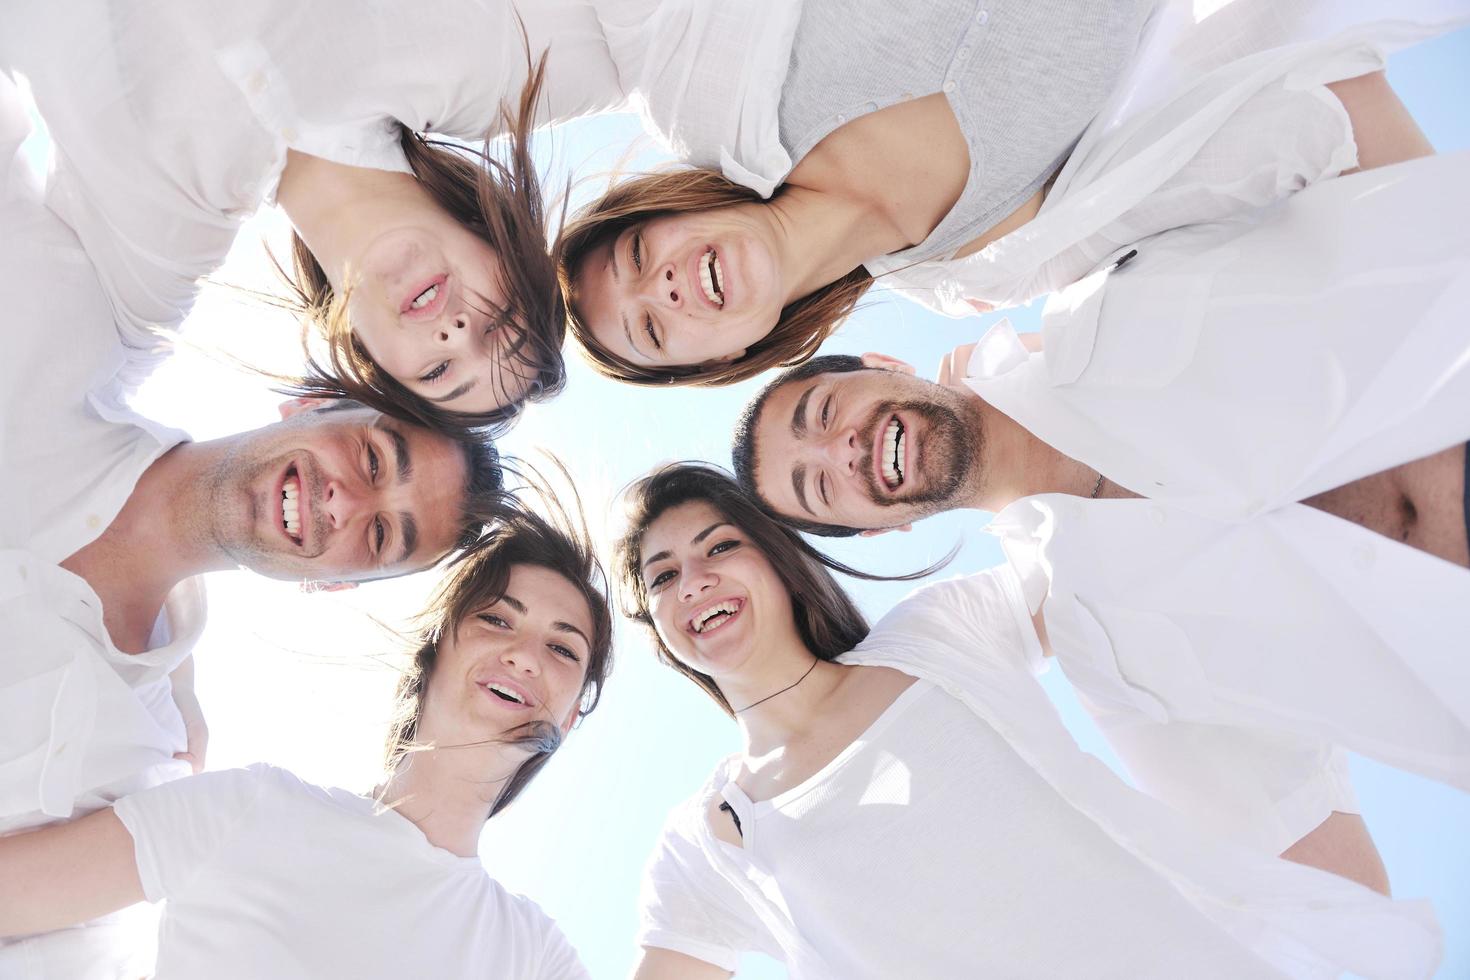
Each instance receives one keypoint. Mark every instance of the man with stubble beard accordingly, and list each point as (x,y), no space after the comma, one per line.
(1229,474)
(108,519)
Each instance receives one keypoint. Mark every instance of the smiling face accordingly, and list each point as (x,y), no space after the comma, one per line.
(867,449)
(684,289)
(520,659)
(715,599)
(427,307)
(337,495)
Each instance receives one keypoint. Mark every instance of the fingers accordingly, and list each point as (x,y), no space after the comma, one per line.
(945,372)
(195,763)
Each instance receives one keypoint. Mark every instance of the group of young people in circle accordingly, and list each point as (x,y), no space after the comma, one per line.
(1189,191)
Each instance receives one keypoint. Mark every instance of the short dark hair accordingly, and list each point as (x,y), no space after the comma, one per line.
(827,620)
(519,538)
(742,448)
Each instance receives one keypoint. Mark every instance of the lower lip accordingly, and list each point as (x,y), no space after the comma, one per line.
(434,307)
(514,706)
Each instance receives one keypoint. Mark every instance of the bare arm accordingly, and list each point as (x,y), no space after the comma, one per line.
(1342,845)
(65,874)
(1384,130)
(195,728)
(665,964)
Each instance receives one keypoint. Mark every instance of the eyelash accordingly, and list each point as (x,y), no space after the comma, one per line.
(500,623)
(637,250)
(648,326)
(379,533)
(826,410)
(435,374)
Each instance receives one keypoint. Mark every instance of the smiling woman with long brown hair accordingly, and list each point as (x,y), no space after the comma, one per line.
(269,876)
(906,802)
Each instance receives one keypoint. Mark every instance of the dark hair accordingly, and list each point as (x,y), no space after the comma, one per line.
(486,500)
(803,324)
(826,618)
(742,447)
(521,538)
(498,198)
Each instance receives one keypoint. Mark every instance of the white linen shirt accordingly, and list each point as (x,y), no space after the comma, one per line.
(171,120)
(974,640)
(1224,374)
(1246,121)
(268,876)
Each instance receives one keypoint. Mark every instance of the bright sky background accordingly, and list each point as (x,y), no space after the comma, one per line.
(299,680)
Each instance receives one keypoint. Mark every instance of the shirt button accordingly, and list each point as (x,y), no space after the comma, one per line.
(1157,515)
(983,17)
(257,83)
(964,51)
(58,751)
(290,134)
(949,86)
(93,521)
(841,118)
(23,572)
(1363,555)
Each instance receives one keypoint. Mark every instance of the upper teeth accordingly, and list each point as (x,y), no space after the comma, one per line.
(893,444)
(506,692)
(424,298)
(729,606)
(712,277)
(291,507)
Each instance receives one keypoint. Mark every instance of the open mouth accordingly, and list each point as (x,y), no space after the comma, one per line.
(712,277)
(429,299)
(506,693)
(713,617)
(892,455)
(291,505)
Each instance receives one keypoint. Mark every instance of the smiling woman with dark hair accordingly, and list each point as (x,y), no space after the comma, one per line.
(269,876)
(906,802)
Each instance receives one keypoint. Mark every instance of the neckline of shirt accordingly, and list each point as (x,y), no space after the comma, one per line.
(395,823)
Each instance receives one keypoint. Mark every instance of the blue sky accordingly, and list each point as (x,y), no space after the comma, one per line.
(298,680)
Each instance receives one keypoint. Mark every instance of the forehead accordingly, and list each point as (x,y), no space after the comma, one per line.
(594,294)
(676,527)
(550,595)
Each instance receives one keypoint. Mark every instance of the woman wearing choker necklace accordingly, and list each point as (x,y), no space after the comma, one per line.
(266,875)
(907,803)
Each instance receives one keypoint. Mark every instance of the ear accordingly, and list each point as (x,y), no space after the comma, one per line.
(294,406)
(886,363)
(327,586)
(874,532)
(572,716)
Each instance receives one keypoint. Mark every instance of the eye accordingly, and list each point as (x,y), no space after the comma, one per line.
(637,249)
(661,579)
(720,547)
(372,458)
(494,620)
(379,533)
(435,374)
(566,652)
(822,489)
(826,410)
(648,326)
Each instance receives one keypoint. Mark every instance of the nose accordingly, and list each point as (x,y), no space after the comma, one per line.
(341,499)
(522,657)
(842,450)
(662,288)
(695,582)
(456,331)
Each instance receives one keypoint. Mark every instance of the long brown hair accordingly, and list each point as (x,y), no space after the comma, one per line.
(803,324)
(495,195)
(521,538)
(826,618)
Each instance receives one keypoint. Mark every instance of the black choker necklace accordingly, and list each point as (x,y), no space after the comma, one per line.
(783,690)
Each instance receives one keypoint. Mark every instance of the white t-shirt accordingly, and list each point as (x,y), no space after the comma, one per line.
(936,833)
(267,876)
(853,853)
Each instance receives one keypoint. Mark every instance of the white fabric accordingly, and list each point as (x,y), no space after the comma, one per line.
(1227,373)
(975,642)
(267,876)
(80,723)
(172,119)
(1246,122)
(843,847)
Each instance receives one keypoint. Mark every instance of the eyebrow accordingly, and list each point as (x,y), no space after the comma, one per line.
(456,392)
(798,484)
(560,626)
(410,532)
(798,415)
(694,540)
(402,459)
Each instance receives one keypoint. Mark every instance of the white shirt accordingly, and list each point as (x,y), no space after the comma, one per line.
(267,876)
(80,722)
(1226,373)
(1218,116)
(171,120)
(708,899)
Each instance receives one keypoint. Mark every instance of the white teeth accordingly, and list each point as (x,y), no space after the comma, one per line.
(424,298)
(893,441)
(712,277)
(703,619)
(291,506)
(506,693)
